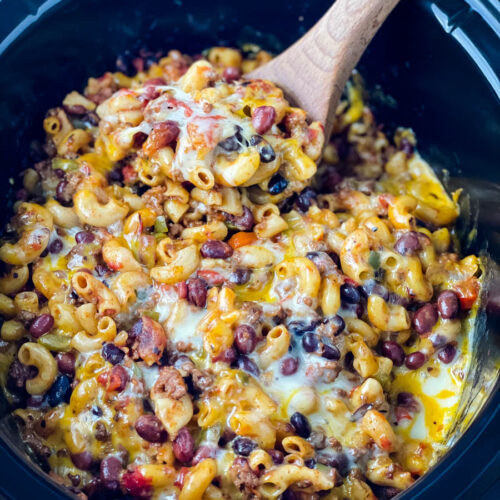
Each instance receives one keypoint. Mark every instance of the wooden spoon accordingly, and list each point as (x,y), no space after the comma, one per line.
(315,69)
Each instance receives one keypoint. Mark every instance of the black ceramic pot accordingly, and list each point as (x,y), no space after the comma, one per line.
(434,66)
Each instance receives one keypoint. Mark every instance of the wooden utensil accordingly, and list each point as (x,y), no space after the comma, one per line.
(315,69)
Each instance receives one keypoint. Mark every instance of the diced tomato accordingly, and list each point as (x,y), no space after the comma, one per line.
(182,289)
(181,476)
(386,199)
(115,379)
(385,443)
(467,291)
(129,174)
(136,484)
(242,239)
(213,278)
(350,281)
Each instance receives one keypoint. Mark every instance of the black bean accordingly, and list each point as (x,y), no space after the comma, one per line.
(447,354)
(360,412)
(301,425)
(97,411)
(59,391)
(408,243)
(330,352)
(112,353)
(246,364)
(56,246)
(183,446)
(63,195)
(372,287)
(393,351)
(289,366)
(82,460)
(197,292)
(310,463)
(415,360)
(84,237)
(110,473)
(310,342)
(331,180)
(66,363)
(305,198)
(425,318)
(42,325)
(338,324)
(215,249)
(298,327)
(267,154)
(150,428)
(350,294)
(240,276)
(277,184)
(230,144)
(448,304)
(243,446)
(245,339)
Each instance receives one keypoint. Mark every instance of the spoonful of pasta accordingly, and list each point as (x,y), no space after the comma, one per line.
(315,69)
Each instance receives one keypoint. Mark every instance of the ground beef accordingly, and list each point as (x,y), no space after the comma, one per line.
(169,384)
(244,478)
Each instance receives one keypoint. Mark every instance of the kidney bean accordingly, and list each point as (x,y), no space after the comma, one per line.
(447,354)
(240,276)
(330,352)
(322,261)
(276,455)
(310,342)
(42,325)
(425,318)
(448,304)
(277,184)
(289,366)
(118,378)
(305,198)
(150,428)
(35,401)
(263,118)
(231,73)
(82,460)
(215,249)
(112,353)
(244,222)
(110,473)
(393,351)
(197,292)
(183,446)
(56,246)
(243,446)
(66,363)
(408,243)
(246,364)
(415,360)
(408,401)
(245,339)
(162,135)
(301,425)
(202,453)
(226,356)
(63,193)
(350,294)
(84,237)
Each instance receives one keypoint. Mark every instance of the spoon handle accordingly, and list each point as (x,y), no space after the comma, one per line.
(315,69)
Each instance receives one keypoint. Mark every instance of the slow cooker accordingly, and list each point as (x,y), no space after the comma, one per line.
(434,66)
